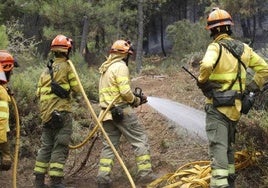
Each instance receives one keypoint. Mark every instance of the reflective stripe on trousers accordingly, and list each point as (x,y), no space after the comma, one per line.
(144,163)
(219,178)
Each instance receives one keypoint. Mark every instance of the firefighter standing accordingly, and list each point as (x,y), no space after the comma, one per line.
(220,70)
(55,107)
(121,119)
(6,65)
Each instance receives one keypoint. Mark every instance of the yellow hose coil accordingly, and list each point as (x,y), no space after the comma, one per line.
(197,174)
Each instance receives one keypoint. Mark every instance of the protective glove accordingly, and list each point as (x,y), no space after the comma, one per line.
(10,92)
(252,87)
(207,87)
(136,102)
(143,99)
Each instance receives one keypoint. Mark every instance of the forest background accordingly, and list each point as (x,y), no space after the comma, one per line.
(169,32)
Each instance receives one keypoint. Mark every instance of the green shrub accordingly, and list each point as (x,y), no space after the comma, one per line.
(3,38)
(187,37)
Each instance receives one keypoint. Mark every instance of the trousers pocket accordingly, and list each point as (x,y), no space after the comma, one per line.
(224,98)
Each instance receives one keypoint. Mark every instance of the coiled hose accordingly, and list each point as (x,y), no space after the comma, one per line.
(197,174)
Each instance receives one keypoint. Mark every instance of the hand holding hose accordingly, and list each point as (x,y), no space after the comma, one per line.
(208,87)
(142,98)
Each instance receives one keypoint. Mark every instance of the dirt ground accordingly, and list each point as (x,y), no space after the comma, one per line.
(169,149)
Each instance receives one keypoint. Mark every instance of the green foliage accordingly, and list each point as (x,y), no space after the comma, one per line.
(89,76)
(25,82)
(117,20)
(3,37)
(64,17)
(24,49)
(187,37)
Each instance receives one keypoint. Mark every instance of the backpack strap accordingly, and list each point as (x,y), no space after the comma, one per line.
(49,66)
(218,59)
(240,62)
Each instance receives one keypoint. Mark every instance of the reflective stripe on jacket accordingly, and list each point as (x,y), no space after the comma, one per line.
(226,70)
(64,76)
(4,113)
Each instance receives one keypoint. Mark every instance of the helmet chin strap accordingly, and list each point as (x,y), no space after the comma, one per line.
(8,75)
(126,59)
(219,30)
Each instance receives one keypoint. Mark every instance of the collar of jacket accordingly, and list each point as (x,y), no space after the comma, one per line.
(222,36)
(115,57)
(60,59)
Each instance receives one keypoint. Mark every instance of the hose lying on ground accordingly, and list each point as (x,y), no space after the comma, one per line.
(197,174)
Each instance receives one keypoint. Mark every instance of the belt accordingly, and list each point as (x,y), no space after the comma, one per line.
(120,106)
(239,96)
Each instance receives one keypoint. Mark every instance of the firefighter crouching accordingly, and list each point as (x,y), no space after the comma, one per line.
(56,86)
(222,80)
(121,120)
(7,63)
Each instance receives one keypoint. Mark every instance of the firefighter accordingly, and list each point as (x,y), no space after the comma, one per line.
(7,63)
(222,80)
(121,120)
(55,107)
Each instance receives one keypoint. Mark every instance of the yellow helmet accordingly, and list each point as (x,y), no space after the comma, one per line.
(121,46)
(61,43)
(218,17)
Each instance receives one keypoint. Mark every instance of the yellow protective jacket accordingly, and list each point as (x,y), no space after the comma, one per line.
(114,81)
(64,76)
(226,71)
(4,113)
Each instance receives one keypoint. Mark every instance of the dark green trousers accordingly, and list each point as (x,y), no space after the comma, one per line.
(54,150)
(221,136)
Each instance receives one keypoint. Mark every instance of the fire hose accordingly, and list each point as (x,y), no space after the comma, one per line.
(91,134)
(17,143)
(198,173)
(99,125)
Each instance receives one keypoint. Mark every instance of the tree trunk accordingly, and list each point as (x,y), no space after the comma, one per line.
(162,35)
(245,28)
(84,35)
(140,37)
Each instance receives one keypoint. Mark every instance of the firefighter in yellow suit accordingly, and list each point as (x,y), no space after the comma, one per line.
(55,107)
(6,65)
(222,80)
(121,120)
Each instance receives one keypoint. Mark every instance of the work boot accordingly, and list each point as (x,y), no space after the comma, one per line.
(56,182)
(231,180)
(146,179)
(40,181)
(104,185)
